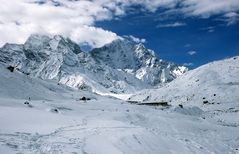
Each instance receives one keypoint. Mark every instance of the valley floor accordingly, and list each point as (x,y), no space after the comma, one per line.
(106,125)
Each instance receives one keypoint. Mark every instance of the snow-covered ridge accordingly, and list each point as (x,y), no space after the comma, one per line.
(211,86)
(122,66)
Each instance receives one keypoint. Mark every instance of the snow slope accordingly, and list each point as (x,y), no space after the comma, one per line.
(213,87)
(58,58)
(55,121)
(216,82)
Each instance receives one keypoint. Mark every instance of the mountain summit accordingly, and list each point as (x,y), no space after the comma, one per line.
(119,67)
(135,58)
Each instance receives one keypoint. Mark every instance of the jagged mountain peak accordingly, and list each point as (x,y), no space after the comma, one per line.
(128,44)
(123,53)
(56,43)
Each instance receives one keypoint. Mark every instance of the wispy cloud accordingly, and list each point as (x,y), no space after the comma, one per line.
(209,29)
(207,8)
(188,64)
(175,24)
(137,40)
(193,52)
(231,18)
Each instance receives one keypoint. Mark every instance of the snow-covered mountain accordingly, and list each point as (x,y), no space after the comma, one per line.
(124,54)
(41,116)
(45,116)
(119,67)
(212,86)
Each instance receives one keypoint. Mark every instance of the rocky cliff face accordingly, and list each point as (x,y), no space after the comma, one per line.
(119,67)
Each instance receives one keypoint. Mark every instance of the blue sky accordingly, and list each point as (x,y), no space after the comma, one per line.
(191,32)
(185,40)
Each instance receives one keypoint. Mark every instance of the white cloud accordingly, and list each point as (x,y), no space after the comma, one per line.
(231,18)
(176,24)
(93,36)
(76,19)
(137,40)
(192,52)
(207,8)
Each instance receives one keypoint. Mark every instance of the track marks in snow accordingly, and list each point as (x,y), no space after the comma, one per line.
(58,141)
(69,139)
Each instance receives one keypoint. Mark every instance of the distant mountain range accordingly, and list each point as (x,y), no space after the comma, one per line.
(123,66)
